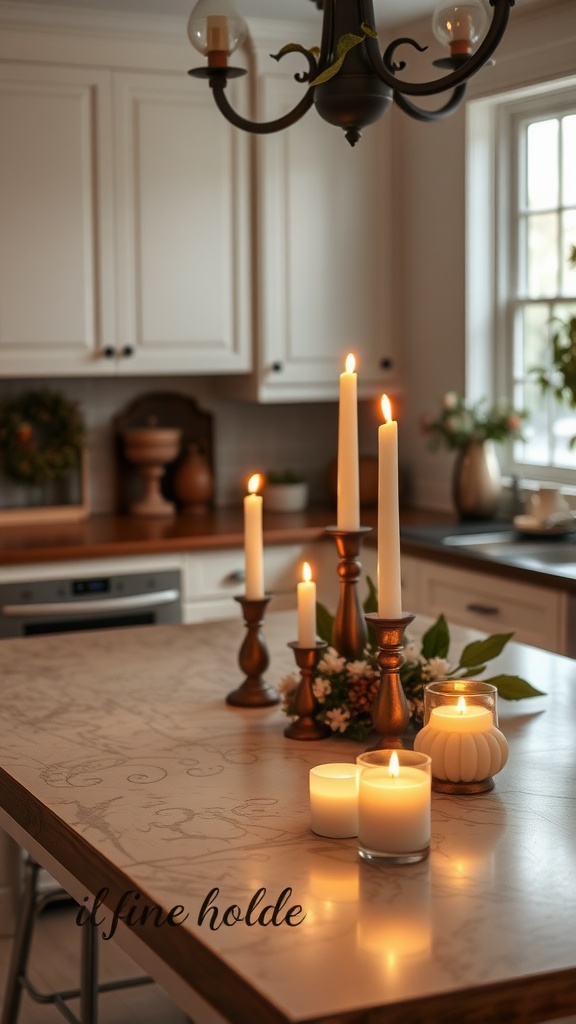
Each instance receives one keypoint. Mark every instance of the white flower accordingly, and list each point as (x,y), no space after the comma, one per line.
(359,670)
(338,719)
(411,654)
(321,688)
(452,424)
(436,668)
(450,400)
(331,662)
(287,685)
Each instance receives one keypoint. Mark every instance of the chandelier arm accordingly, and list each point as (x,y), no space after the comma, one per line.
(455,78)
(431,115)
(218,85)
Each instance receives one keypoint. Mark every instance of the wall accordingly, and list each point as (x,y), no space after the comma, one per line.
(248,437)
(430,229)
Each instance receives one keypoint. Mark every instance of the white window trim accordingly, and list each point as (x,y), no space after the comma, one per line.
(488,228)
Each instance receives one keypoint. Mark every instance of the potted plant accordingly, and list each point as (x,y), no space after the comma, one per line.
(285,491)
(472,430)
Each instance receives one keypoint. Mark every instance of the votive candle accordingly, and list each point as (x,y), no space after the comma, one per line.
(334,800)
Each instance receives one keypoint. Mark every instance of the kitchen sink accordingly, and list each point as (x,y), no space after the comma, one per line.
(557,553)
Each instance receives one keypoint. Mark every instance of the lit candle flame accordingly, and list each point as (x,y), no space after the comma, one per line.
(350,363)
(254,483)
(461,705)
(306,573)
(386,409)
(394,766)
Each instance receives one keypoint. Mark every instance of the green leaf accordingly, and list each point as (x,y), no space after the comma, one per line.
(484,650)
(436,640)
(371,602)
(514,687)
(324,623)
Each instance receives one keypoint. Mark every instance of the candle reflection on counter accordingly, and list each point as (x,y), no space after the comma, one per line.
(394,922)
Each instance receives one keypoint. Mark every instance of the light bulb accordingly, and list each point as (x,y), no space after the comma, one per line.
(460,26)
(216,29)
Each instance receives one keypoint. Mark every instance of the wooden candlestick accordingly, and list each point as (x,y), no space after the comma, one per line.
(390,711)
(253,659)
(349,632)
(306,726)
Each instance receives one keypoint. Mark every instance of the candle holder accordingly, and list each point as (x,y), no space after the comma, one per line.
(349,633)
(306,726)
(476,755)
(390,711)
(253,659)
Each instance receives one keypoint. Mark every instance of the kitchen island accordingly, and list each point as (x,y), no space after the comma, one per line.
(123,768)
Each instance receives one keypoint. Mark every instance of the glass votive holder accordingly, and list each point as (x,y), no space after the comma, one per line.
(394,806)
(334,800)
(448,693)
(461,736)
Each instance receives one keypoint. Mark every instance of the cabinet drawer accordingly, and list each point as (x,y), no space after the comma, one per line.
(495,605)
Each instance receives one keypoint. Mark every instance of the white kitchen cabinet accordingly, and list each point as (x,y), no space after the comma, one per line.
(182,219)
(125,244)
(325,238)
(493,604)
(56,243)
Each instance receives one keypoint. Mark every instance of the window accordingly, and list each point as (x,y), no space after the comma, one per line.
(525,153)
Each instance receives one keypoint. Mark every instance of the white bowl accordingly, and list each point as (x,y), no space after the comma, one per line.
(285,497)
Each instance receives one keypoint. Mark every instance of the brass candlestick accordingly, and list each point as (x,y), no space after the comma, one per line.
(253,659)
(306,727)
(390,711)
(349,633)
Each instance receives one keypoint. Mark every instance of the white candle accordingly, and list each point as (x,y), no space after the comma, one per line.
(394,808)
(334,800)
(463,743)
(216,33)
(389,580)
(306,609)
(348,514)
(253,543)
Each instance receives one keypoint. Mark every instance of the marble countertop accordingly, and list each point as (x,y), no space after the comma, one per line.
(121,766)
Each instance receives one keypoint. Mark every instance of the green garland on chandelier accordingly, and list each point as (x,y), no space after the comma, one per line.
(42,435)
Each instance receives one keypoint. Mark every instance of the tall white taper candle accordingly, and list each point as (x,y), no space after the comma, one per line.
(253,543)
(389,581)
(348,515)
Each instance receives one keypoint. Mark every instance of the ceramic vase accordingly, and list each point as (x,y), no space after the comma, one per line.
(477,481)
(193,482)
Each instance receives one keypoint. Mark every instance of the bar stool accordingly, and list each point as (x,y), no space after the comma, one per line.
(32,904)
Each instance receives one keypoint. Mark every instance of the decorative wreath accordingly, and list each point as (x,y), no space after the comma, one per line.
(42,435)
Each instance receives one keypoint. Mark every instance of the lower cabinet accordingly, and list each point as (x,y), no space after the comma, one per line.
(489,603)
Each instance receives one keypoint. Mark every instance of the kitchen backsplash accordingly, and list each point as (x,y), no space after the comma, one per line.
(248,437)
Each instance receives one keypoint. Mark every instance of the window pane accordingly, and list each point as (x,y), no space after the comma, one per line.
(536,448)
(569,160)
(533,347)
(564,430)
(542,254)
(542,170)
(568,240)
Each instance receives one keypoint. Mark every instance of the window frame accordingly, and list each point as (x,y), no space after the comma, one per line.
(492,246)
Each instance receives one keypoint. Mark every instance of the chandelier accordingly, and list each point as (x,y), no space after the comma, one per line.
(349,81)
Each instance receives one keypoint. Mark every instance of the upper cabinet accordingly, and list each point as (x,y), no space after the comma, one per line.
(56,243)
(125,246)
(324,256)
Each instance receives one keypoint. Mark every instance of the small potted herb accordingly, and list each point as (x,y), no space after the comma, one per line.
(285,492)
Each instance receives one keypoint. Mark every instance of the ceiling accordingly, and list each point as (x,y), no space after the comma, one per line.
(387,11)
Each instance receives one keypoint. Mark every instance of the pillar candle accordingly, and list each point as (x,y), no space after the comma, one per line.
(253,544)
(348,515)
(334,800)
(216,33)
(389,581)
(307,609)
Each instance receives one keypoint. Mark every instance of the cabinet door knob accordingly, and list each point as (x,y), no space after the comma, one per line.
(109,352)
(386,363)
(237,576)
(127,351)
(277,366)
(483,609)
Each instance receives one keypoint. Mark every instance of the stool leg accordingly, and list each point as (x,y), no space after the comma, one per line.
(88,975)
(21,945)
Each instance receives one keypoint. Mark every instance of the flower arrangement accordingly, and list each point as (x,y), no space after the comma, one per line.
(345,690)
(42,435)
(458,423)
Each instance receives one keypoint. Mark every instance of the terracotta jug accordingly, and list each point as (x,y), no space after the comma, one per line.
(193,482)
